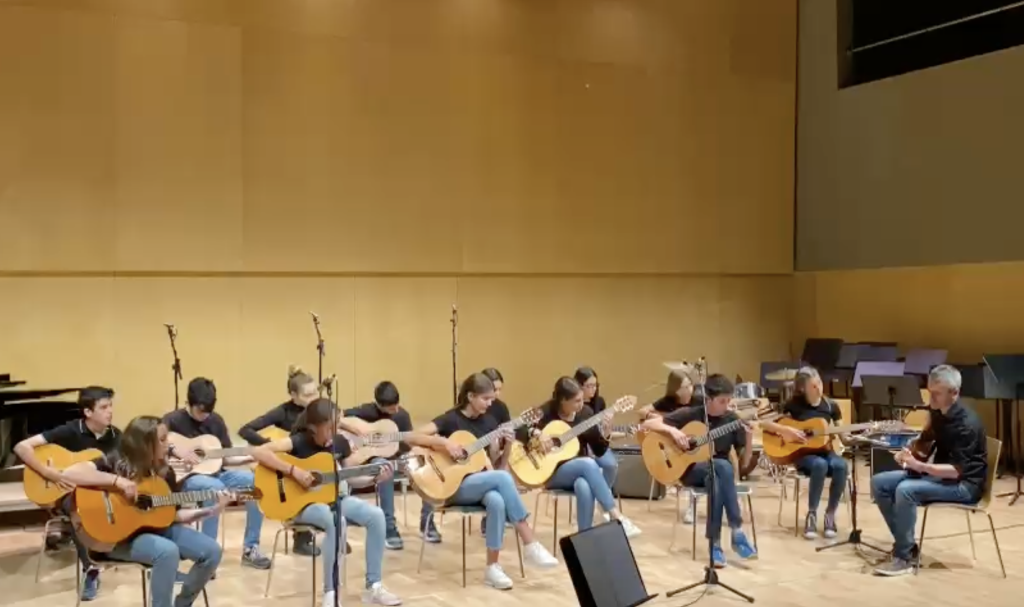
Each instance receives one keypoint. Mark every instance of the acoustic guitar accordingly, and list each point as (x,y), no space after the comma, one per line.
(533,467)
(273,433)
(819,434)
(43,491)
(666,461)
(107,517)
(207,448)
(283,498)
(378,439)
(440,476)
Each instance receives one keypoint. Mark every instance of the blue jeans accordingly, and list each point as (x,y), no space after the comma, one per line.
(229,479)
(583,476)
(725,497)
(496,490)
(818,467)
(609,466)
(386,495)
(163,551)
(898,496)
(356,512)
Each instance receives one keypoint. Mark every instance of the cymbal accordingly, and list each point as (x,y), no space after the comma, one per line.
(781,375)
(679,367)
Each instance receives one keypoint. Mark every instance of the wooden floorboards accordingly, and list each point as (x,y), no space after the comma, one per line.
(789,572)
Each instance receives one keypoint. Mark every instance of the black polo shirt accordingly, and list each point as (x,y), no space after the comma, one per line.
(76,436)
(304,446)
(370,413)
(282,416)
(454,420)
(499,411)
(180,422)
(591,438)
(800,410)
(723,444)
(960,441)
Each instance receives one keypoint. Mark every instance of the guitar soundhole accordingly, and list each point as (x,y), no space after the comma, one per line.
(200,453)
(144,502)
(318,479)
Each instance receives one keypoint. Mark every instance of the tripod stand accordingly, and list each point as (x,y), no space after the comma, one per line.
(855,532)
(172,334)
(710,573)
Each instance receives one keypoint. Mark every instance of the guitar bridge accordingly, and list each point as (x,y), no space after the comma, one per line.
(437,470)
(108,508)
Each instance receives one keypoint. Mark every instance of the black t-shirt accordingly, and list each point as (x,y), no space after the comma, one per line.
(499,411)
(736,439)
(370,412)
(304,446)
(180,422)
(960,441)
(591,438)
(282,416)
(454,420)
(670,403)
(76,436)
(800,410)
(114,463)
(597,404)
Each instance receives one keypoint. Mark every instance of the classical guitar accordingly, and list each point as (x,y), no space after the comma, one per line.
(533,467)
(378,439)
(207,448)
(667,461)
(283,498)
(440,476)
(107,517)
(45,492)
(819,434)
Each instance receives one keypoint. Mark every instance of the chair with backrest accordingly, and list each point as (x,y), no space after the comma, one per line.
(288,527)
(982,507)
(466,513)
(694,494)
(105,564)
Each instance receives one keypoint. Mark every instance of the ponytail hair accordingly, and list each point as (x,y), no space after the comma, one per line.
(297,378)
(321,410)
(565,389)
(477,383)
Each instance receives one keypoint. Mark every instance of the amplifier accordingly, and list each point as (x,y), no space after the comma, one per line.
(633,480)
(883,460)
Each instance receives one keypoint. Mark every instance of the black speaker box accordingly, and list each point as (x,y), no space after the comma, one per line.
(603,568)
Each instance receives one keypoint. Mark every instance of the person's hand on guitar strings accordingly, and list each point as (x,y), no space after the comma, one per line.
(62,482)
(303,477)
(186,455)
(454,449)
(792,435)
(682,441)
(387,472)
(224,498)
(129,489)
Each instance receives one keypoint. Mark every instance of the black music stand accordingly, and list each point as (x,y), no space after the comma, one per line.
(1004,379)
(876,369)
(895,392)
(921,361)
(822,353)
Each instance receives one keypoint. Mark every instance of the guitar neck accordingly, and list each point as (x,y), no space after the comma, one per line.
(382,439)
(229,452)
(846,428)
(717,433)
(579,429)
(184,497)
(488,439)
(353,472)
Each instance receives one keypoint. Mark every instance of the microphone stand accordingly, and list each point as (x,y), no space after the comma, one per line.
(339,549)
(321,350)
(455,349)
(710,573)
(172,334)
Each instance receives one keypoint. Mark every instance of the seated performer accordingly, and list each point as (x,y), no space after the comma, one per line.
(719,394)
(807,403)
(199,419)
(956,475)
(385,405)
(494,489)
(314,433)
(93,431)
(302,389)
(142,454)
(679,393)
(587,379)
(582,474)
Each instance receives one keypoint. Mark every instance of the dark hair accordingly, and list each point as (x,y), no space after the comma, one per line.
(493,375)
(138,443)
(386,394)
(202,393)
(674,383)
(565,388)
(297,378)
(585,373)
(88,397)
(477,383)
(319,411)
(718,385)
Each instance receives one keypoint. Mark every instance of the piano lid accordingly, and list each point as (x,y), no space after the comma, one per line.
(13,396)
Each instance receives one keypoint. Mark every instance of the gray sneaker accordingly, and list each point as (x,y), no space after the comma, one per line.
(831,530)
(894,568)
(252,557)
(811,526)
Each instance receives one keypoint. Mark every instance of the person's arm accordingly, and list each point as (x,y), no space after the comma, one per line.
(428,438)
(225,441)
(86,474)
(250,431)
(345,423)
(743,442)
(968,445)
(266,455)
(26,452)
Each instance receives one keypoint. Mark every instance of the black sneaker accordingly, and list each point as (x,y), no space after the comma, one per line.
(830,525)
(895,567)
(91,588)
(252,557)
(304,544)
(483,526)
(393,539)
(811,526)
(429,531)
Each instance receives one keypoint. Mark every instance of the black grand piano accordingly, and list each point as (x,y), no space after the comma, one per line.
(27,412)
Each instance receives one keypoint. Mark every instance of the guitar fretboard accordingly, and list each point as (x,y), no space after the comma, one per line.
(382,438)
(586,425)
(184,497)
(488,439)
(716,433)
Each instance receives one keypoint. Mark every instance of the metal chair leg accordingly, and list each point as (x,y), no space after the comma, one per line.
(920,542)
(782,499)
(995,539)
(273,558)
(554,533)
(419,562)
(80,581)
(970,534)
(650,495)
(519,549)
(405,503)
(692,505)
(145,587)
(464,519)
(796,506)
(42,550)
(753,525)
(536,510)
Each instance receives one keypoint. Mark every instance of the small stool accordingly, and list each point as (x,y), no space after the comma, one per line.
(467,513)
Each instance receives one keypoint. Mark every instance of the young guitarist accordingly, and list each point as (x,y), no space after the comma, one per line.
(587,379)
(302,390)
(957,474)
(719,394)
(94,431)
(809,402)
(314,433)
(678,394)
(199,419)
(385,405)
(582,474)
(141,454)
(494,489)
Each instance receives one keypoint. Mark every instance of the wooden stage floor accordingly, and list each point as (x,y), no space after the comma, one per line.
(788,573)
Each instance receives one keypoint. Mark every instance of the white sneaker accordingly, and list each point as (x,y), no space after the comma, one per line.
(494,576)
(538,556)
(379,595)
(689,515)
(628,526)
(328,600)
(607,517)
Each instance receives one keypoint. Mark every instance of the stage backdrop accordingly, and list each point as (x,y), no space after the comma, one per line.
(590,181)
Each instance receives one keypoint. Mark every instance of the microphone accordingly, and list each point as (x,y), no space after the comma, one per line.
(171,328)
(315,317)
(328,381)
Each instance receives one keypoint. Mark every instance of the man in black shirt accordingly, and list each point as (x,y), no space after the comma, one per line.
(94,431)
(957,474)
(199,419)
(385,405)
(719,394)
